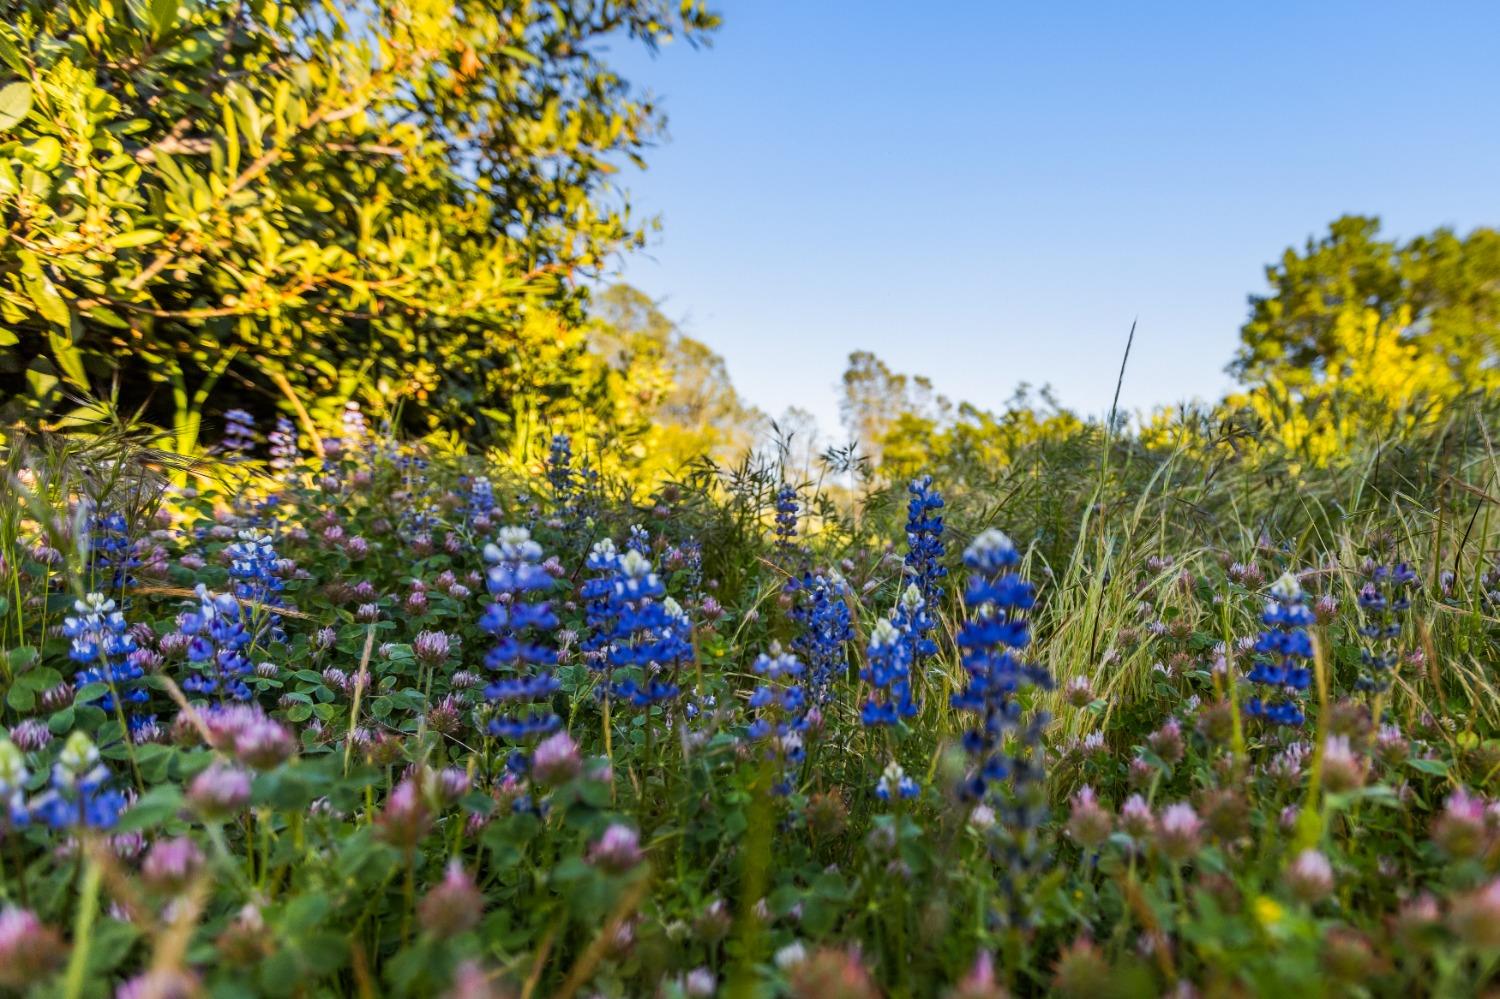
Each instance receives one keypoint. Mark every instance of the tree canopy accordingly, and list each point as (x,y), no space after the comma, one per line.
(215,203)
(1443,288)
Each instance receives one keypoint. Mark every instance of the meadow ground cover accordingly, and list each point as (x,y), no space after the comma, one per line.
(352,716)
(390,605)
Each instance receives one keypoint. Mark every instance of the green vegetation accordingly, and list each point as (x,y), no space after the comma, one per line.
(388,608)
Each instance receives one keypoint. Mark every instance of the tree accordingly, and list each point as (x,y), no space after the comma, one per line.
(672,389)
(216,203)
(1445,286)
(875,399)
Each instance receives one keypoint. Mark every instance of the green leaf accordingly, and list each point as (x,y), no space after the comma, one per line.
(41,383)
(521,55)
(23,658)
(109,943)
(62,721)
(44,294)
(136,237)
(46,153)
(152,808)
(21,698)
(1435,767)
(69,359)
(163,16)
(15,104)
(23,692)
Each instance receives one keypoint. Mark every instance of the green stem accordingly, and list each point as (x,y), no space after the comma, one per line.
(83,925)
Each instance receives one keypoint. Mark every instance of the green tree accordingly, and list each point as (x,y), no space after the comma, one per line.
(677,386)
(876,398)
(1449,286)
(236,202)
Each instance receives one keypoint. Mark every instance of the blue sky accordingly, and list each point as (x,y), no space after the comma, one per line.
(988,192)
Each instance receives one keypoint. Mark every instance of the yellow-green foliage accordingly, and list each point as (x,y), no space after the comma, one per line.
(212,203)
(643,401)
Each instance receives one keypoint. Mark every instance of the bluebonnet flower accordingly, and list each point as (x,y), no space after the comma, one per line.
(239,435)
(924,540)
(779,708)
(572,487)
(256,570)
(77,796)
(1489,586)
(102,647)
(518,618)
(112,554)
(913,620)
(597,592)
(13,778)
(356,428)
(686,562)
(419,510)
(481,498)
(1383,602)
(283,447)
(889,675)
(786,519)
(1281,650)
(895,783)
(822,610)
(990,643)
(217,640)
(636,628)
(639,540)
(560,472)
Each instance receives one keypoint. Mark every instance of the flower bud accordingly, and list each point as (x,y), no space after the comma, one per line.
(1179,832)
(1342,769)
(1089,824)
(219,792)
(29,951)
(171,864)
(1310,877)
(453,905)
(556,759)
(405,819)
(618,850)
(1460,830)
(264,744)
(1475,917)
(1136,818)
(431,647)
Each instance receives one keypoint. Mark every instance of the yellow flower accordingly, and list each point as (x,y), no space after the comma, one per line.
(1268,911)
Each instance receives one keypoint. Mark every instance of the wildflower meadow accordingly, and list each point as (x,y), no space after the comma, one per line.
(363,719)
(395,603)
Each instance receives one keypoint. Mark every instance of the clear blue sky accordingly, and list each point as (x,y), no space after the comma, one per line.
(988,192)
